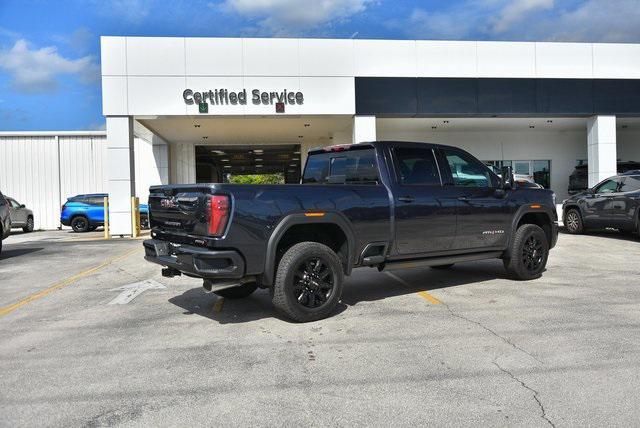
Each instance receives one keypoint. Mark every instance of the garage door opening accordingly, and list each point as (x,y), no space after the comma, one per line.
(248,164)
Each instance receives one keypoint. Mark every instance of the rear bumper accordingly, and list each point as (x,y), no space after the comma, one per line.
(195,261)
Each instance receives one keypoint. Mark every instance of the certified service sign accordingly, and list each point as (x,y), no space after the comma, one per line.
(225,97)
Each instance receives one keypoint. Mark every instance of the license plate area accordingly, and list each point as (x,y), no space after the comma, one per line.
(162,249)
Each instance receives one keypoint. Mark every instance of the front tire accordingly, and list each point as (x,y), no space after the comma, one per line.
(573,221)
(80,224)
(240,292)
(529,253)
(29,226)
(308,283)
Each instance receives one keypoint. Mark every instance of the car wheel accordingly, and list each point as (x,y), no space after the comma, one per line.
(443,267)
(29,226)
(529,253)
(308,283)
(239,292)
(80,224)
(573,222)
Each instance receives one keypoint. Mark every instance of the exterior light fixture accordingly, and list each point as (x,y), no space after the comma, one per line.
(531,126)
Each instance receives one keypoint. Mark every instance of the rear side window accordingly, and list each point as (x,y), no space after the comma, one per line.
(96,200)
(417,166)
(348,167)
(631,184)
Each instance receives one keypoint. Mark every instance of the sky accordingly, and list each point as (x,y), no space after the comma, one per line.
(50,50)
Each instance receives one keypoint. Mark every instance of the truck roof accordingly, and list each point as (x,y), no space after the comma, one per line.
(340,147)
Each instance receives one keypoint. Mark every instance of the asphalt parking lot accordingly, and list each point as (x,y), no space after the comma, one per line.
(426,347)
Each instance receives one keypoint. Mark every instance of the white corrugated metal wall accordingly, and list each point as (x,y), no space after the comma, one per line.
(42,171)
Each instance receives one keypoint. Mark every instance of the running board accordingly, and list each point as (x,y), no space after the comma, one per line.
(437,261)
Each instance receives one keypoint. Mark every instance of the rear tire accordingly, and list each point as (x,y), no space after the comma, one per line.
(443,267)
(529,253)
(80,224)
(573,222)
(308,283)
(239,292)
(29,226)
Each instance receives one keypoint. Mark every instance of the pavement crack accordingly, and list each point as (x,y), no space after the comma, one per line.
(527,387)
(484,327)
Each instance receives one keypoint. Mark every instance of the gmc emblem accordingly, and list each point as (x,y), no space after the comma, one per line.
(167,203)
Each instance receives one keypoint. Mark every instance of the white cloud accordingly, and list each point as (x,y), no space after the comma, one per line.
(517,10)
(37,70)
(289,16)
(585,20)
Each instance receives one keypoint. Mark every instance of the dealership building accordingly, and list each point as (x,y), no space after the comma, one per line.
(185,110)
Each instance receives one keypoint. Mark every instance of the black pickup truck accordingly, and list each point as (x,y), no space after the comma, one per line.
(388,205)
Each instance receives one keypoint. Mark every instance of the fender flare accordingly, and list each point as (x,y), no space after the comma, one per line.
(521,212)
(295,219)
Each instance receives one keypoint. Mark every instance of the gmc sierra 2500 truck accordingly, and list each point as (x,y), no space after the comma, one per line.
(389,205)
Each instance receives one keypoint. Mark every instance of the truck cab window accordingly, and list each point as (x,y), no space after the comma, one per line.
(417,166)
(466,171)
(348,167)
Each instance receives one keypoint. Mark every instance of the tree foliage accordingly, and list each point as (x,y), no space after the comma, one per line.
(257,179)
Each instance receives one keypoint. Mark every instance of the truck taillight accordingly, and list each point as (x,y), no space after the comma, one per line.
(218,214)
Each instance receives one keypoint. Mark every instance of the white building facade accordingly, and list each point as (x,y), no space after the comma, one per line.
(185,110)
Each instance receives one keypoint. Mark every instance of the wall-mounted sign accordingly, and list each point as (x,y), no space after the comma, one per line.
(226,97)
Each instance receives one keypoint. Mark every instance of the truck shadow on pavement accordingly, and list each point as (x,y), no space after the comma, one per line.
(7,254)
(365,285)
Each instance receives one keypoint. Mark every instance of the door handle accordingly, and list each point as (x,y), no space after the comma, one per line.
(406,199)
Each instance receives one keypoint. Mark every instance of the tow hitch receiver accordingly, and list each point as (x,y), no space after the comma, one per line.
(170,272)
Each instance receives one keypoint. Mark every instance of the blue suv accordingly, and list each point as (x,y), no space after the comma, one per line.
(86,212)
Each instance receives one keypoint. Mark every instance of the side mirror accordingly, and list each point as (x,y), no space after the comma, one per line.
(22,206)
(508,181)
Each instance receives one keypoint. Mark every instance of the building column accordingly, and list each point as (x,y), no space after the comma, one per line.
(601,148)
(121,182)
(364,129)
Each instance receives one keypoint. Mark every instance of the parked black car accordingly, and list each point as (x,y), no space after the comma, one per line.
(5,219)
(579,178)
(612,203)
(390,205)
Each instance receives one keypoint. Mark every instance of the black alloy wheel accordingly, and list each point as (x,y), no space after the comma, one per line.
(528,254)
(308,283)
(532,253)
(313,282)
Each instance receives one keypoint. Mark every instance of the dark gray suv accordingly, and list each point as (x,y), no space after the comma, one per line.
(5,219)
(612,203)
